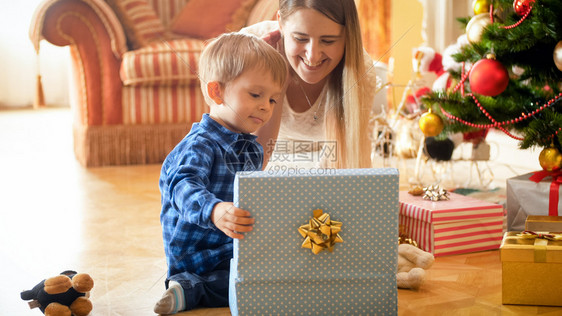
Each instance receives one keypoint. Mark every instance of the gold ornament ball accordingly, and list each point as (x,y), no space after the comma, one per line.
(557,55)
(481,6)
(430,124)
(475,27)
(550,159)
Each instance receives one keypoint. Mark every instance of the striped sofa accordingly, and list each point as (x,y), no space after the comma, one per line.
(135,90)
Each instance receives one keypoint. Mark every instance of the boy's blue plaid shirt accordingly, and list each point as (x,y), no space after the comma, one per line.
(196,175)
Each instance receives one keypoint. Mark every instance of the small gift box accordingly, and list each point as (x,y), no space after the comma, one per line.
(535,193)
(544,223)
(322,244)
(459,225)
(531,269)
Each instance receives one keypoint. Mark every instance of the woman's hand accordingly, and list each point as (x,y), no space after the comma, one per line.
(232,220)
(272,37)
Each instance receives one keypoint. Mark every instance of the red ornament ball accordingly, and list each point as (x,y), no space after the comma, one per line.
(522,6)
(488,77)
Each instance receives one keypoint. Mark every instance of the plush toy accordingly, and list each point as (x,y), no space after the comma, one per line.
(412,263)
(63,295)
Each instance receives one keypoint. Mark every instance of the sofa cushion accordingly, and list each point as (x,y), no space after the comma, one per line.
(162,105)
(206,19)
(264,10)
(167,10)
(139,20)
(170,62)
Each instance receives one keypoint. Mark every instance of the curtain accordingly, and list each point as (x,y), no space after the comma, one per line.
(374,16)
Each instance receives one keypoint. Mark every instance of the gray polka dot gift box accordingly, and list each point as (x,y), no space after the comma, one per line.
(323,243)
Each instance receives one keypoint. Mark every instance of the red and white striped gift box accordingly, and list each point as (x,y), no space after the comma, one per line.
(459,225)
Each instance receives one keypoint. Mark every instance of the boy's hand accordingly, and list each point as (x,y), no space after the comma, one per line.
(231,220)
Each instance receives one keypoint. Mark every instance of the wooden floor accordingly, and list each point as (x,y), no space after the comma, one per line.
(56,215)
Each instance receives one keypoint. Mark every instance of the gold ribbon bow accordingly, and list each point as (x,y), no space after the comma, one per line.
(541,242)
(320,233)
(435,193)
(532,235)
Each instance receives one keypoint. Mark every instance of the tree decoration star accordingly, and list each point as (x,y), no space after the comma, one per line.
(320,233)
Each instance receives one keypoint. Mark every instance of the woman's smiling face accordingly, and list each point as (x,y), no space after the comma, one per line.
(314,44)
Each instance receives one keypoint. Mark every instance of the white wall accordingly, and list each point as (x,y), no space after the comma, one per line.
(18,60)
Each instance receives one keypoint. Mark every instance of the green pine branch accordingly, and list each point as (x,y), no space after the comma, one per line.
(527,53)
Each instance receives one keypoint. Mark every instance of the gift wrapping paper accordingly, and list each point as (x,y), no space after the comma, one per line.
(525,197)
(459,225)
(272,274)
(531,271)
(544,223)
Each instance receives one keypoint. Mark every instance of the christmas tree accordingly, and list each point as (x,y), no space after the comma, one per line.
(511,77)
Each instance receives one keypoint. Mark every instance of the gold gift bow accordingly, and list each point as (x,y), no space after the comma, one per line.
(320,233)
(435,193)
(541,241)
(532,235)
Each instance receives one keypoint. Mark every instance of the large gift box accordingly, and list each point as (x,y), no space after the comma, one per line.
(459,225)
(531,194)
(531,270)
(342,263)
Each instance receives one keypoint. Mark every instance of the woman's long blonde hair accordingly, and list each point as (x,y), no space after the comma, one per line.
(348,105)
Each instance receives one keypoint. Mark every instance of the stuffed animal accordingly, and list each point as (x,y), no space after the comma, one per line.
(412,263)
(63,295)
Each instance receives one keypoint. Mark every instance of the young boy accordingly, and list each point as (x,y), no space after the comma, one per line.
(242,78)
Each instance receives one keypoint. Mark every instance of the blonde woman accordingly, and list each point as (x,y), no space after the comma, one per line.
(325,114)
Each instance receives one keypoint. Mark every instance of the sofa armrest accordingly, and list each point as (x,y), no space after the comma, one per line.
(97,42)
(102,10)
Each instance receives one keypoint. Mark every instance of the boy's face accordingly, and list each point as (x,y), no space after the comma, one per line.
(248,101)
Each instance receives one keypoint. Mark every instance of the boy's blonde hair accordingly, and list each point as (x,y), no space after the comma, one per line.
(226,57)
